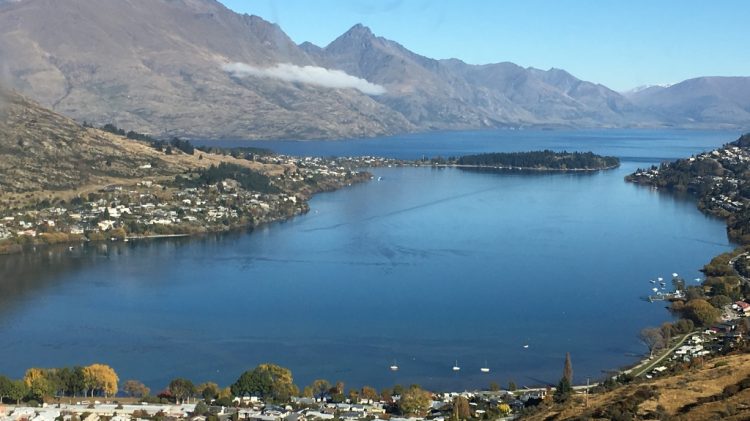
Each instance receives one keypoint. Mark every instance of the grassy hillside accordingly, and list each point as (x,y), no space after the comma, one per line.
(44,155)
(718,389)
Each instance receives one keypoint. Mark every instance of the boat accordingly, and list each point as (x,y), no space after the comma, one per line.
(380,178)
(456,367)
(660,279)
(652,281)
(485,369)
(674,275)
(525,346)
(393,366)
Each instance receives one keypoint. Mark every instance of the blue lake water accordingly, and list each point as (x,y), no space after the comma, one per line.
(424,268)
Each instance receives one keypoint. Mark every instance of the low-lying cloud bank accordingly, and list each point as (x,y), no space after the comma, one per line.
(311,75)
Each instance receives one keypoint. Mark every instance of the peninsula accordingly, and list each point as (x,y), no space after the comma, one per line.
(545,160)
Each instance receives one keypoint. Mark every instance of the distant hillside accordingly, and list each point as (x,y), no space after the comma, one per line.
(195,68)
(157,66)
(450,94)
(720,102)
(43,154)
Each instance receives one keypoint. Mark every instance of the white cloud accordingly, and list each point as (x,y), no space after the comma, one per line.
(311,75)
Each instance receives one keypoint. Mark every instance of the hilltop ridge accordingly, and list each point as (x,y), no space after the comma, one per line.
(195,68)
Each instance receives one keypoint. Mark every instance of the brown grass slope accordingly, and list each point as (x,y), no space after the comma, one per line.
(719,390)
(44,154)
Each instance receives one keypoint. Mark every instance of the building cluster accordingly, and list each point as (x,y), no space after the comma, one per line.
(150,208)
(507,405)
(726,186)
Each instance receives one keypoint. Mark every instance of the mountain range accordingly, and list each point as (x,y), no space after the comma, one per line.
(196,69)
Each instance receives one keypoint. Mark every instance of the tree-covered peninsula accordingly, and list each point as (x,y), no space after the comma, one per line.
(545,160)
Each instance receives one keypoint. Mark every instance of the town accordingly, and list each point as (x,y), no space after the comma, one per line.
(213,200)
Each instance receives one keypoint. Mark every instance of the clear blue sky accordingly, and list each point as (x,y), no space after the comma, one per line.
(622,44)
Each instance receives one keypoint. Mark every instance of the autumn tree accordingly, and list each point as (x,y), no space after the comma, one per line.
(136,389)
(461,410)
(369,393)
(208,391)
(568,368)
(701,312)
(267,381)
(100,378)
(320,388)
(181,389)
(415,401)
(386,395)
(38,383)
(653,338)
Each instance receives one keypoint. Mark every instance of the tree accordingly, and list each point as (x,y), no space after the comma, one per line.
(666,332)
(100,378)
(461,410)
(386,395)
(369,393)
(136,389)
(38,384)
(68,381)
(563,391)
(568,368)
(320,388)
(34,374)
(181,389)
(209,391)
(5,386)
(200,409)
(415,401)
(719,301)
(512,386)
(17,391)
(684,326)
(494,387)
(701,312)
(267,381)
(653,338)
(353,395)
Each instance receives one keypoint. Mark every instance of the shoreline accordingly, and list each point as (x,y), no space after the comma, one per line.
(622,370)
(38,244)
(535,169)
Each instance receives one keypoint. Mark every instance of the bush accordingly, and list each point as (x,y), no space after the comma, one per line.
(201,408)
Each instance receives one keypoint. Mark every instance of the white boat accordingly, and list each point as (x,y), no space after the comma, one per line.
(674,275)
(456,367)
(393,366)
(525,346)
(485,369)
(660,279)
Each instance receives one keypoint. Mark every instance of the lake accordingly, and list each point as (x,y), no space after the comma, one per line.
(427,267)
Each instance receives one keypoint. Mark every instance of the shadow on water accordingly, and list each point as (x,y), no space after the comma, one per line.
(22,275)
